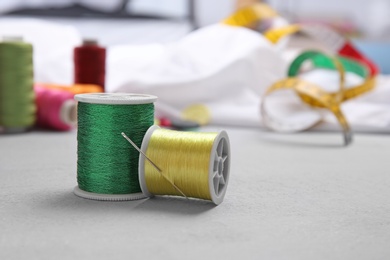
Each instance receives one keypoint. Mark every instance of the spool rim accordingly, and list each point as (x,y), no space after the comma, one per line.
(107,197)
(141,161)
(115,98)
(219,167)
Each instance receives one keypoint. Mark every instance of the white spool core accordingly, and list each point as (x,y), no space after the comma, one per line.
(219,167)
(68,112)
(115,98)
(112,99)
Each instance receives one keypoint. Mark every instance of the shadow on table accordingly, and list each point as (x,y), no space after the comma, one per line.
(66,201)
(176,205)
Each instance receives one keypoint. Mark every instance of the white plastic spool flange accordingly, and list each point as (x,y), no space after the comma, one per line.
(115,98)
(112,99)
(219,166)
(68,112)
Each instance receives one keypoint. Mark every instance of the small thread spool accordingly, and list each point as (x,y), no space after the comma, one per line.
(192,164)
(57,109)
(107,167)
(90,63)
(17,100)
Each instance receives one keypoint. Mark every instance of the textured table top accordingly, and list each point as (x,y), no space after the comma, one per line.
(300,196)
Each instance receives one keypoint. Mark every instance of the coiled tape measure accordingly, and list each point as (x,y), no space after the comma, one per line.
(314,95)
(332,40)
(348,59)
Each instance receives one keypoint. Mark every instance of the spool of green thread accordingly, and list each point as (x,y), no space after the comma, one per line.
(17,98)
(107,167)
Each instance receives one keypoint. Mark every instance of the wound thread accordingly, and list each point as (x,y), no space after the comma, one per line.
(90,64)
(57,109)
(197,163)
(106,164)
(17,99)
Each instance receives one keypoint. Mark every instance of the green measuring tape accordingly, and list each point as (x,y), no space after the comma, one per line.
(17,98)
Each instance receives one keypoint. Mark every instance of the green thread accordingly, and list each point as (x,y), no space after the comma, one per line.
(17,99)
(321,60)
(106,163)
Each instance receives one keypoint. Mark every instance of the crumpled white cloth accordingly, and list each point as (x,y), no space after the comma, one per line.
(228,69)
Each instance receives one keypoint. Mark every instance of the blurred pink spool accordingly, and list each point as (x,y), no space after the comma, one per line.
(56,109)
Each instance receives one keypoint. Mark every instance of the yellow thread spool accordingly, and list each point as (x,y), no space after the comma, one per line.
(197,163)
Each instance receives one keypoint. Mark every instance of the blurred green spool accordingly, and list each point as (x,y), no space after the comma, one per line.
(17,98)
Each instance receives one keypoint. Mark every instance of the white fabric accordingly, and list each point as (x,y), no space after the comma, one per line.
(369,112)
(228,69)
(221,66)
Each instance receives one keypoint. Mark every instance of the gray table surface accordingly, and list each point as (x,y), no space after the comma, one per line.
(300,196)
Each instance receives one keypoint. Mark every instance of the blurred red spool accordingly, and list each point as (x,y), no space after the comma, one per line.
(90,63)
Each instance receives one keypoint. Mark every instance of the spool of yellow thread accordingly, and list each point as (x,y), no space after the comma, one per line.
(192,164)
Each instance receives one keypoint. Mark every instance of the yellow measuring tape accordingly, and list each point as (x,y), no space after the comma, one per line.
(247,16)
(314,95)
(275,34)
(310,93)
(341,64)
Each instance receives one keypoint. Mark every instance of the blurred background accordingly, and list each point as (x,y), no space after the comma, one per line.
(150,21)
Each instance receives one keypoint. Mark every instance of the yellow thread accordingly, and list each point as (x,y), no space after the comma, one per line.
(198,113)
(275,34)
(184,158)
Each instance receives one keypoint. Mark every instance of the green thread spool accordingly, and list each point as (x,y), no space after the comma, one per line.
(107,167)
(17,98)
